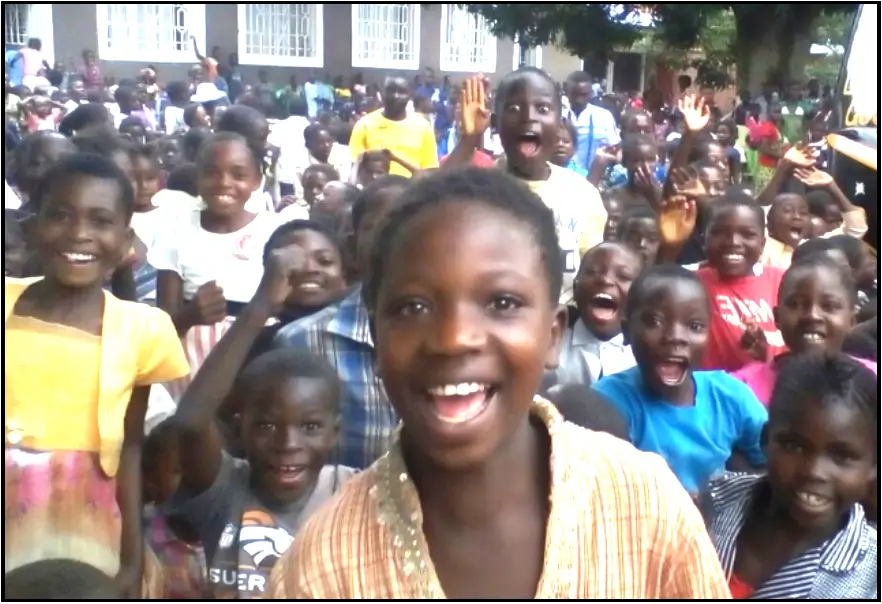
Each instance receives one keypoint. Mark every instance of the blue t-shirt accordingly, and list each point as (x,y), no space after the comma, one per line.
(695,441)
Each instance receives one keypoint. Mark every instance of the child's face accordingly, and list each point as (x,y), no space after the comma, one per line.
(734,241)
(371,170)
(814,313)
(289,428)
(82,231)
(145,175)
(321,280)
(642,236)
(529,123)
(45,153)
(639,124)
(644,155)
(333,199)
(822,458)
(788,219)
(716,154)
(383,203)
(169,153)
(832,217)
(565,148)
(724,135)
(667,332)
(134,132)
(465,329)
(601,288)
(228,177)
(313,185)
(320,146)
(613,213)
(714,178)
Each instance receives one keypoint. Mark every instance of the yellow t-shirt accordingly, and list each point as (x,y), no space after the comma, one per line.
(69,390)
(412,139)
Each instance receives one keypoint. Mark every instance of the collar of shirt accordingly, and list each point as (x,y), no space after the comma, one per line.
(582,337)
(731,496)
(351,319)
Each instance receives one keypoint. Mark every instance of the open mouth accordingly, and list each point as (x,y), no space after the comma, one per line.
(734,259)
(224,199)
(310,287)
(529,144)
(813,338)
(79,259)
(287,475)
(812,502)
(604,307)
(673,371)
(796,233)
(458,404)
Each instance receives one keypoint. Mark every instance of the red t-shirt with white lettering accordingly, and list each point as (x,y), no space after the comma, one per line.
(735,302)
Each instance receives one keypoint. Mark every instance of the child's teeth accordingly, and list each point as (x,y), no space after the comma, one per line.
(463,389)
(812,337)
(79,257)
(811,499)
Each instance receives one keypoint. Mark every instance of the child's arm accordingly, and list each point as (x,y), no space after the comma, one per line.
(795,157)
(695,117)
(753,417)
(854,217)
(207,308)
(475,121)
(199,56)
(128,495)
(678,214)
(414,170)
(200,440)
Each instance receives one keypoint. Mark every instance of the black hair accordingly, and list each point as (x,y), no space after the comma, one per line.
(818,261)
(579,77)
(825,378)
(374,155)
(574,134)
(700,150)
(632,143)
(327,170)
(342,133)
(32,143)
(178,92)
(243,120)
(190,112)
(285,363)
(368,195)
(633,213)
(735,199)
(35,43)
(589,409)
(162,437)
(123,94)
(492,188)
(193,141)
(312,131)
(294,226)
(184,178)
(816,246)
(221,138)
(59,579)
(93,166)
(132,121)
(148,151)
(101,140)
(818,202)
(649,279)
(863,341)
(852,247)
(514,77)
(631,114)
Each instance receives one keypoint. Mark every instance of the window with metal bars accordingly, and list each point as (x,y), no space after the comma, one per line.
(466,42)
(15,24)
(155,33)
(286,35)
(386,36)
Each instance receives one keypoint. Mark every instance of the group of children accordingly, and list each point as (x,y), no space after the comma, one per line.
(181,446)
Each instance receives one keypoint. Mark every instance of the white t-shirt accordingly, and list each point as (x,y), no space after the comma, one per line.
(233,260)
(287,135)
(11,200)
(174,120)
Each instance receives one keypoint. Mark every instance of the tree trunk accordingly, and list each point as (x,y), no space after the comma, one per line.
(771,50)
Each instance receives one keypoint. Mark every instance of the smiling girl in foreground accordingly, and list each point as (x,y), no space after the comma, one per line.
(75,402)
(797,532)
(487,492)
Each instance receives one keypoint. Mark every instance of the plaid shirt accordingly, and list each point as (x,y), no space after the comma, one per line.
(341,334)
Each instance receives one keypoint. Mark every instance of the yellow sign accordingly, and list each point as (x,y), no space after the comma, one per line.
(861,91)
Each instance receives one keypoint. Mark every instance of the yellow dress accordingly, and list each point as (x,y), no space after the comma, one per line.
(66,395)
(620,527)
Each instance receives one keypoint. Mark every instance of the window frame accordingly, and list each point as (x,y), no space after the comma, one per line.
(39,23)
(196,14)
(516,57)
(412,64)
(246,58)
(490,51)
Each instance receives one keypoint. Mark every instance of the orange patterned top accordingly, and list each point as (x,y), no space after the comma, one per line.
(620,527)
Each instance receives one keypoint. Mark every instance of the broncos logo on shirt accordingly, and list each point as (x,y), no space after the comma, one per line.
(262,539)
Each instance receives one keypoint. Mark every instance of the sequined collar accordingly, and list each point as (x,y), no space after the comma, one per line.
(400,513)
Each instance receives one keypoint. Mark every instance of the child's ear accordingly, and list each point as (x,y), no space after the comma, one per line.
(777,316)
(558,327)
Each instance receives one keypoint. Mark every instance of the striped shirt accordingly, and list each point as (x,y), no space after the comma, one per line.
(340,333)
(844,567)
(620,527)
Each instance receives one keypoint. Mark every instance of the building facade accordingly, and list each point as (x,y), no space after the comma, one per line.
(337,39)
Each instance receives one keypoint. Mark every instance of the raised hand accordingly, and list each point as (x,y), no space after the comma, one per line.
(281,264)
(686,183)
(801,156)
(645,182)
(676,219)
(753,340)
(209,305)
(608,155)
(475,115)
(696,114)
(812,177)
